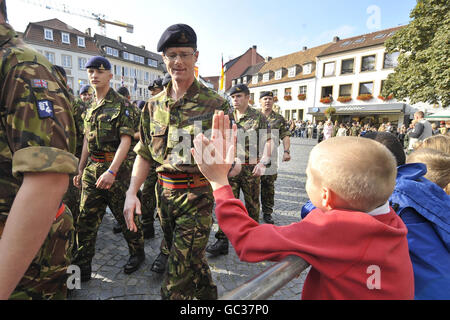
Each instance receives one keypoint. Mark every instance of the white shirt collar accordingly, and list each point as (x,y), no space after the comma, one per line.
(384,209)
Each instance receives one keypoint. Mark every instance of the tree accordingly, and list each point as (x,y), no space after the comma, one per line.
(423,71)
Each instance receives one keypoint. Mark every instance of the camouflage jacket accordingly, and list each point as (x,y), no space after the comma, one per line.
(277,122)
(354,131)
(253,132)
(168,127)
(106,121)
(37,130)
(79,111)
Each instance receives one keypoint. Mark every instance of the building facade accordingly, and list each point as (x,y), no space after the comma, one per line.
(65,46)
(350,76)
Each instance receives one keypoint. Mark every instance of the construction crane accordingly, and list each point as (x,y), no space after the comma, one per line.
(100,18)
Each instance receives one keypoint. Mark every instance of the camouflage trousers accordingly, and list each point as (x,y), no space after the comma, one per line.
(186,220)
(250,186)
(148,199)
(72,199)
(46,276)
(93,207)
(268,193)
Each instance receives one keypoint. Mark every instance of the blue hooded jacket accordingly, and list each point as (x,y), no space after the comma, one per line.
(424,207)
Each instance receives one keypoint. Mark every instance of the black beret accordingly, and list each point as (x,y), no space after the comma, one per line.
(123,91)
(98,62)
(141,104)
(266,93)
(177,35)
(166,79)
(238,89)
(86,88)
(155,84)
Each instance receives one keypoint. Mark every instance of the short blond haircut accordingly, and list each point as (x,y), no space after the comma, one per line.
(360,171)
(438,142)
(437,162)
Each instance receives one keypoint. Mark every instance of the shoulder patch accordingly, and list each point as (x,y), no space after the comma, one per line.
(127,113)
(45,109)
(39,83)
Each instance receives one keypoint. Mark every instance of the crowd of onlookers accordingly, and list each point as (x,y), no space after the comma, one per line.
(326,129)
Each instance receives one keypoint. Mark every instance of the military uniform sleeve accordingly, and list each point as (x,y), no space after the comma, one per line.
(284,129)
(127,121)
(39,124)
(141,147)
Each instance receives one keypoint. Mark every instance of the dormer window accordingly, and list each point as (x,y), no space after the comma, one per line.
(48,34)
(255,79)
(307,68)
(278,74)
(292,71)
(65,37)
(266,76)
(81,42)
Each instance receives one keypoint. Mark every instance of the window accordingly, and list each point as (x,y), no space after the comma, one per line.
(278,74)
(152,63)
(130,56)
(50,56)
(292,72)
(326,92)
(302,90)
(345,90)
(266,77)
(360,40)
(65,38)
(328,69)
(244,80)
(146,76)
(81,42)
(125,55)
(390,60)
(82,63)
(347,66)
(125,71)
(275,93)
(365,88)
(255,79)
(70,82)
(48,34)
(368,63)
(66,61)
(307,68)
(287,91)
(109,51)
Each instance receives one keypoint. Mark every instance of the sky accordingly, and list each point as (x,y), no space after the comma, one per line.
(225,28)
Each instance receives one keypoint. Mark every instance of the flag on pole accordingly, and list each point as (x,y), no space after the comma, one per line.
(222,76)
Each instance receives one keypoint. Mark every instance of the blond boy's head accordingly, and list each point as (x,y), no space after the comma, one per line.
(350,173)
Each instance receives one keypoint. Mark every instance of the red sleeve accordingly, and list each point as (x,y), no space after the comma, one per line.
(314,238)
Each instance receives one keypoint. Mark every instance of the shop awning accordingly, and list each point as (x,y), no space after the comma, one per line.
(362,109)
(439,116)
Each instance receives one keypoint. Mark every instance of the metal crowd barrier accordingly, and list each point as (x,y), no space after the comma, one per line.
(265,284)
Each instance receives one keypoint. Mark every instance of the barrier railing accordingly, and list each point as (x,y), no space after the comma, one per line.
(265,284)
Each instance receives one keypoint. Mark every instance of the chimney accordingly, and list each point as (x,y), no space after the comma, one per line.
(304,48)
(336,39)
(267,59)
(253,57)
(119,39)
(88,31)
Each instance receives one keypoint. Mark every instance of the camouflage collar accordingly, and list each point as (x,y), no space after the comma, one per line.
(190,95)
(6,33)
(108,98)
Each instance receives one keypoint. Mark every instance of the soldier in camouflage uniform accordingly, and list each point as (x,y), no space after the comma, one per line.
(276,122)
(253,123)
(168,124)
(79,108)
(109,128)
(355,130)
(37,142)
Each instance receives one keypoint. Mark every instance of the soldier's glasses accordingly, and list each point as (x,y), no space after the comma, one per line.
(183,56)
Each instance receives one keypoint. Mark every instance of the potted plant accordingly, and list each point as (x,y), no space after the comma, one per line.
(389,97)
(275,99)
(329,112)
(344,99)
(365,97)
(302,96)
(288,98)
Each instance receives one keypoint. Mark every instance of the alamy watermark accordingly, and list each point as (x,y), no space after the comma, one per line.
(374,20)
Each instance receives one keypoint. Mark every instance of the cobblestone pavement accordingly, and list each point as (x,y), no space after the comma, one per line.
(109,282)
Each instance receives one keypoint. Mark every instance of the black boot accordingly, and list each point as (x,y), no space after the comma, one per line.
(117,228)
(218,248)
(160,263)
(149,231)
(268,218)
(133,263)
(85,272)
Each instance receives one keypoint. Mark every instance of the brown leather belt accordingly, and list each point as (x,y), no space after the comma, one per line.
(181,180)
(102,156)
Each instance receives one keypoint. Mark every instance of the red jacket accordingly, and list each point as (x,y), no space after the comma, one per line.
(353,255)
